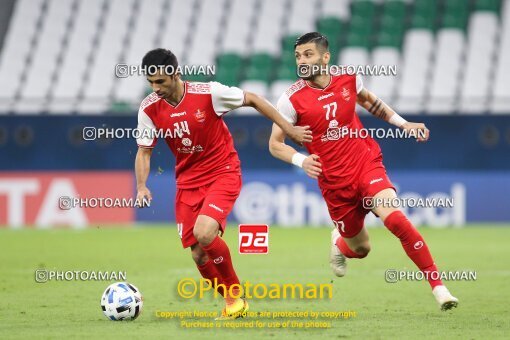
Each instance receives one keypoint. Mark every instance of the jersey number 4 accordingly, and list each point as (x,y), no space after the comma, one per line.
(330,108)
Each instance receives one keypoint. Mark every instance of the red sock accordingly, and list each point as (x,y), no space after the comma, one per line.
(219,254)
(208,271)
(413,243)
(344,248)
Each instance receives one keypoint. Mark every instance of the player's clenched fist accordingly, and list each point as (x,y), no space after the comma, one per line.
(417,129)
(300,134)
(142,196)
(312,166)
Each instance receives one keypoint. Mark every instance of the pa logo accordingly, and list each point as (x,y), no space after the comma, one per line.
(253,239)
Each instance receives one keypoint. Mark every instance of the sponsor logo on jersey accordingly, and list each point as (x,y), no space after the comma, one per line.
(190,149)
(186,142)
(375,180)
(346,94)
(332,133)
(200,116)
(325,96)
(178,114)
(215,207)
(218,260)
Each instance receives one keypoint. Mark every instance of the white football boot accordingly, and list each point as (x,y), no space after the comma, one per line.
(337,260)
(445,299)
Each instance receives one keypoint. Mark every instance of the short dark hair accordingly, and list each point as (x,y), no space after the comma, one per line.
(315,37)
(159,57)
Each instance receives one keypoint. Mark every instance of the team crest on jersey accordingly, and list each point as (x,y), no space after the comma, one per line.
(200,116)
(346,94)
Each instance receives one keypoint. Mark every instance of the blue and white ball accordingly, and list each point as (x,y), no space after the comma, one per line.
(121,301)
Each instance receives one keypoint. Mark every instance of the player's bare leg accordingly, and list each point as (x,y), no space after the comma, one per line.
(413,244)
(206,232)
(343,248)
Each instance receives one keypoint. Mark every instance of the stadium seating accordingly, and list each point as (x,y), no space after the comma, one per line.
(60,56)
(417,56)
(501,99)
(238,30)
(450,44)
(44,56)
(128,89)
(474,90)
(75,58)
(302,16)
(16,50)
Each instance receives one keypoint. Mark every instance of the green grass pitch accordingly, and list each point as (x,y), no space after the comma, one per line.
(155,262)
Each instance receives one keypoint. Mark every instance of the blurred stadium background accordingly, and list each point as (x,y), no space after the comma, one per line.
(57,76)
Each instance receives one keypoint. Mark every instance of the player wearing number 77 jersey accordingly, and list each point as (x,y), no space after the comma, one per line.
(207,171)
(348,168)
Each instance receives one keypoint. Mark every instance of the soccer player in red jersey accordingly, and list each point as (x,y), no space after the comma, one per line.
(348,169)
(208,173)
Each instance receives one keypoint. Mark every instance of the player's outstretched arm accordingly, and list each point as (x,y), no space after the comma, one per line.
(287,153)
(381,110)
(142,169)
(298,134)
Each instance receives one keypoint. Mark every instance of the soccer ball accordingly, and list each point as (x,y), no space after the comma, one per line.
(121,301)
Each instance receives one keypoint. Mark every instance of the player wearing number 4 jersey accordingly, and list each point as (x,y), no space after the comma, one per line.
(208,173)
(348,169)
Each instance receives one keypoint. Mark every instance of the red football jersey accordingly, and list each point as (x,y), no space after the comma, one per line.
(194,130)
(327,111)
